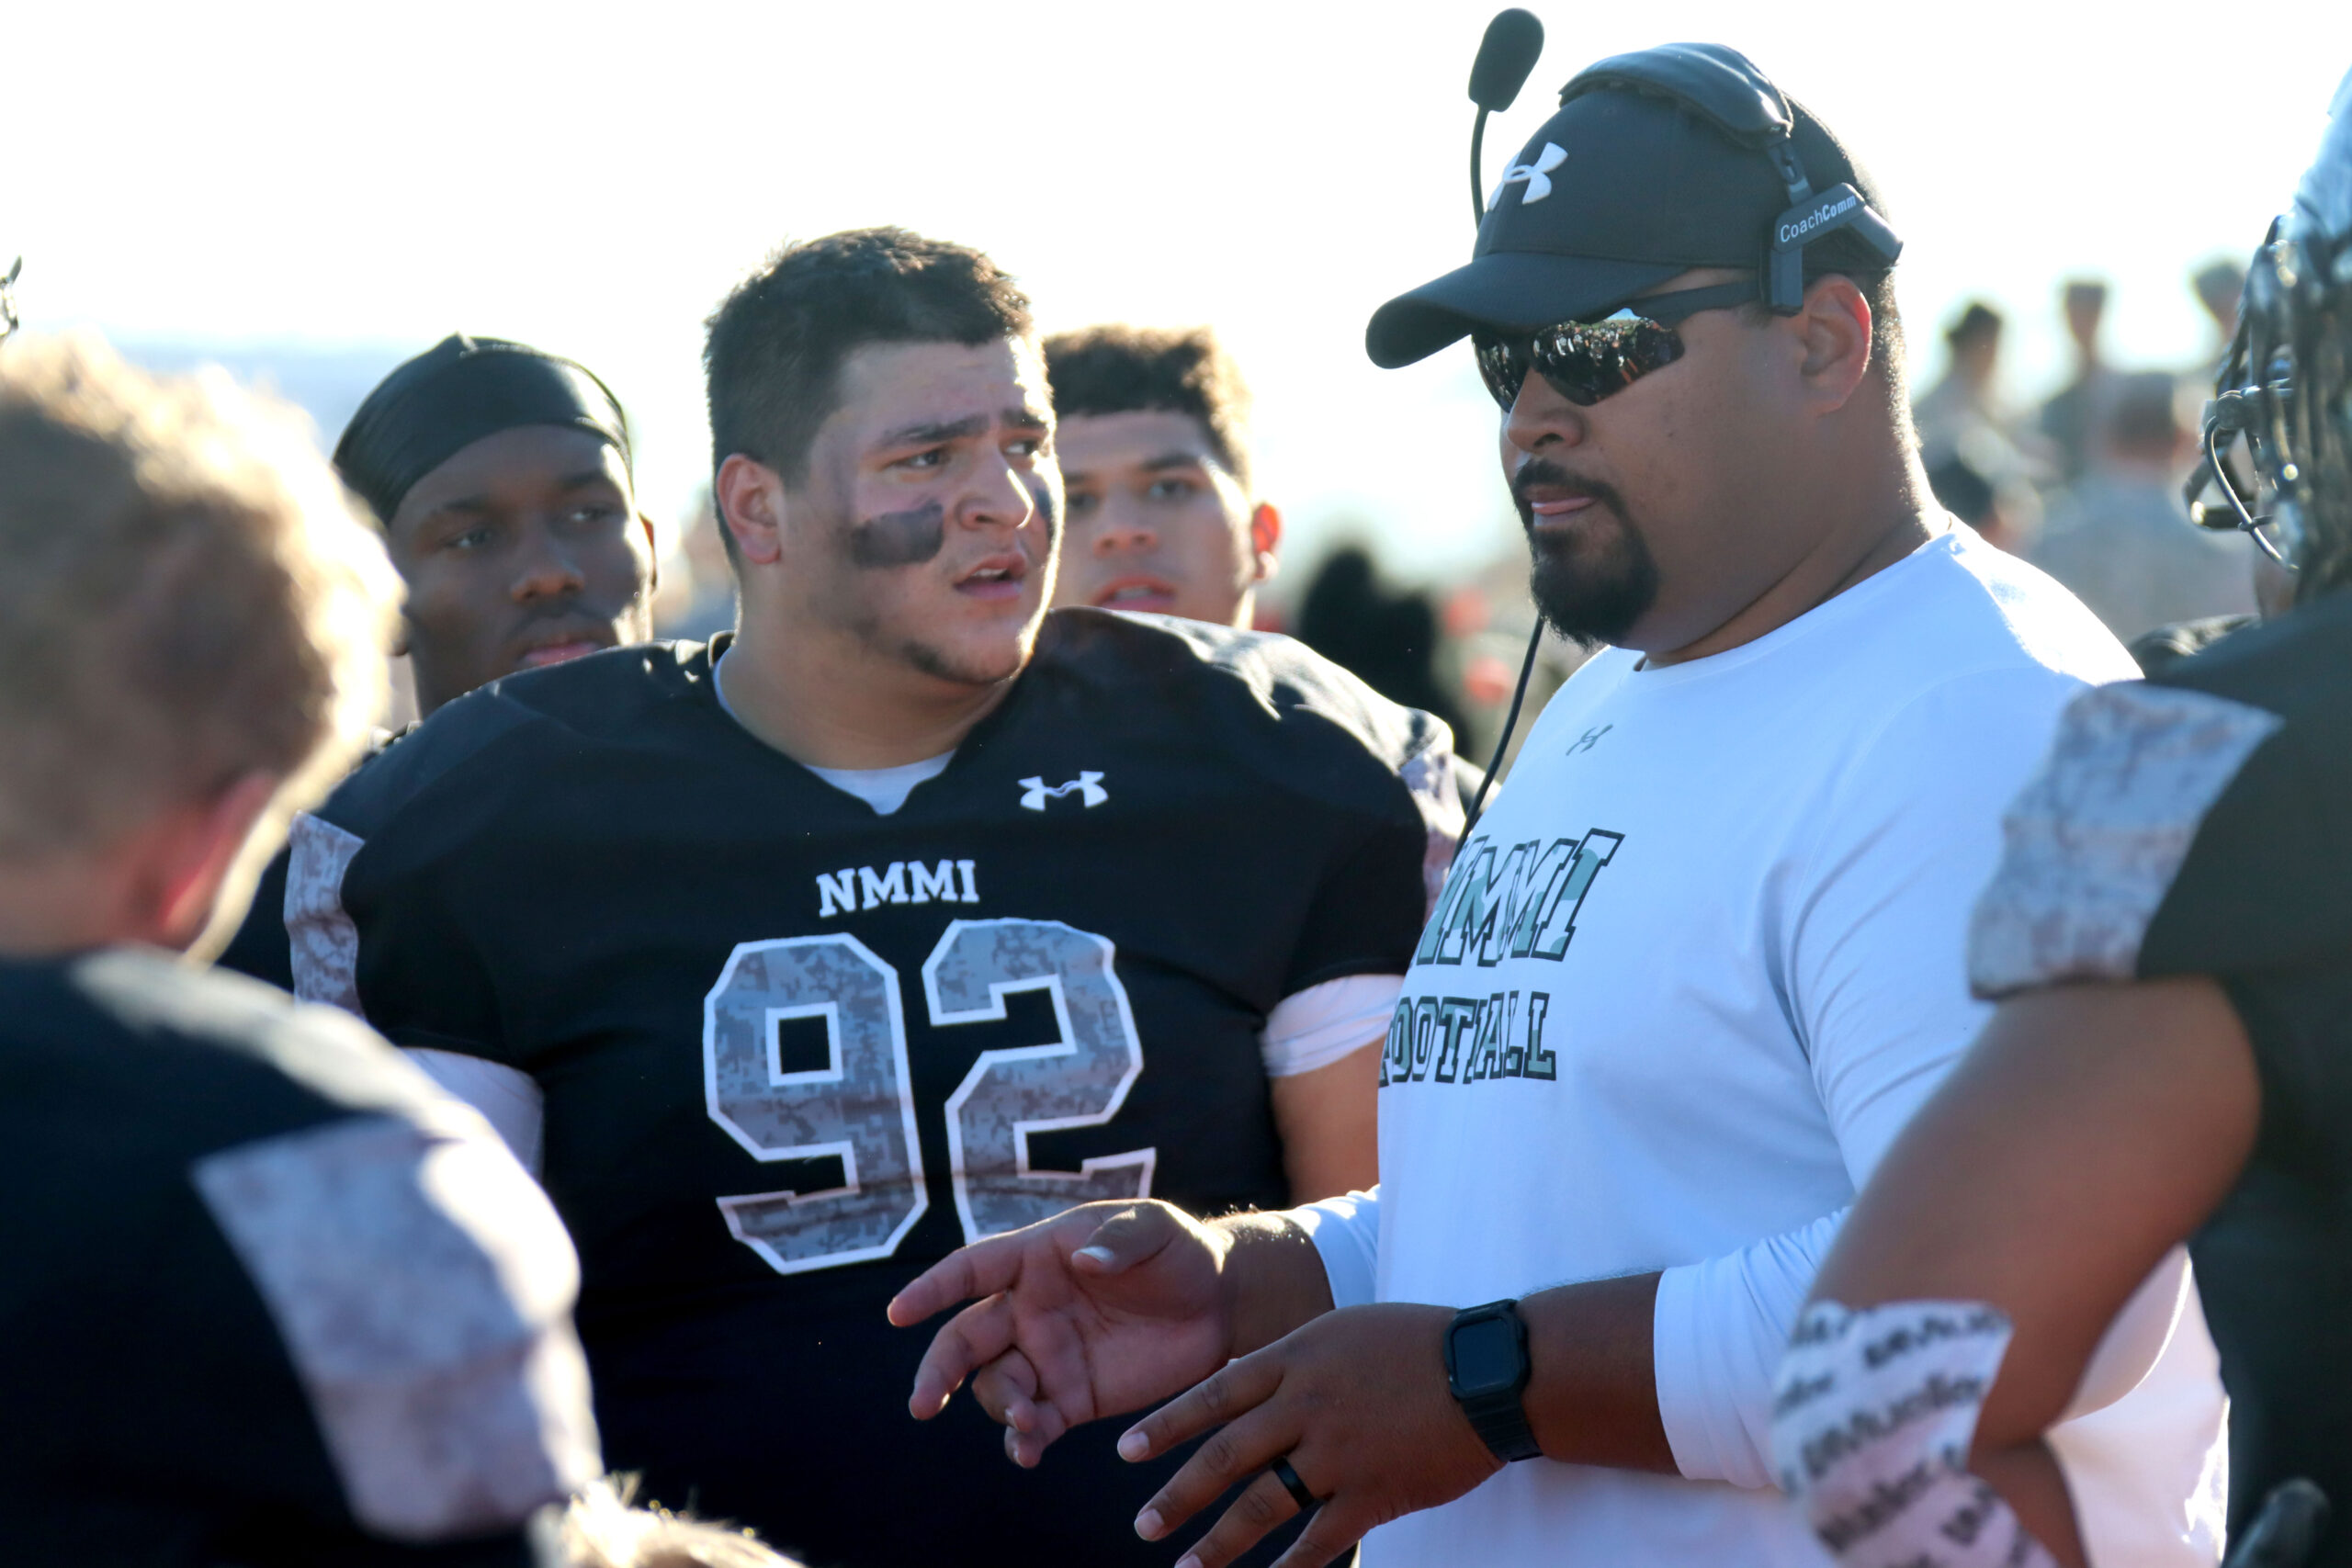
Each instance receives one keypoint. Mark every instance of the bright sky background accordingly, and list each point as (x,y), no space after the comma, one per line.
(592,178)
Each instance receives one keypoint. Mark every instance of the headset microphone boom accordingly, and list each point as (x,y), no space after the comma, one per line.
(1506,57)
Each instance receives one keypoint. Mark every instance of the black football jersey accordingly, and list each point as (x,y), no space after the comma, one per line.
(241,1320)
(793,1051)
(2201,823)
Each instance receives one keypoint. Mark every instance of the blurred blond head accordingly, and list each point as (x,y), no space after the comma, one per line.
(187,599)
(601,1530)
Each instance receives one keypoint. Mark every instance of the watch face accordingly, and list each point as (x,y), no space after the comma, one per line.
(1485,1355)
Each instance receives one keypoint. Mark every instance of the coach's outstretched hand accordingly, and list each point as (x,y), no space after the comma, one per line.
(1106,1309)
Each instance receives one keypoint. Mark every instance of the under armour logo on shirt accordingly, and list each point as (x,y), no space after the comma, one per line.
(1034,791)
(1585,741)
(1537,176)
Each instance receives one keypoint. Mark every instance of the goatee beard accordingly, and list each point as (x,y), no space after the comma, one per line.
(1596,594)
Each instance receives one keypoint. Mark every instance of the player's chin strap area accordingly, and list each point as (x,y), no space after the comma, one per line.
(1871,1431)
(2282,390)
(2248,393)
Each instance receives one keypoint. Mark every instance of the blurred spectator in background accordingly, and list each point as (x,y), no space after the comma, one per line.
(2219,284)
(1957,415)
(501,478)
(1389,640)
(2001,515)
(1153,433)
(697,599)
(2071,420)
(2121,538)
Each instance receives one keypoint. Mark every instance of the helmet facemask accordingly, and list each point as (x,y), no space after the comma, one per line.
(2285,390)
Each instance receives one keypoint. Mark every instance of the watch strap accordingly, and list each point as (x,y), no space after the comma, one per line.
(1501,1421)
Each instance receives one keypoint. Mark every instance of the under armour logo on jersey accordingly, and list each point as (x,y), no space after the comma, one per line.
(1590,738)
(1538,176)
(1034,791)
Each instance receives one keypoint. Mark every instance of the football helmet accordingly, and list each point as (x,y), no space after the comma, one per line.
(2286,387)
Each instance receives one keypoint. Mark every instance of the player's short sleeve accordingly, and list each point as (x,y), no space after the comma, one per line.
(422,1287)
(2157,837)
(1376,893)
(366,925)
(419,969)
(390,892)
(2262,902)
(2267,882)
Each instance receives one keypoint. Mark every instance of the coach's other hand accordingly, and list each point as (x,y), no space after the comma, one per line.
(1100,1309)
(1356,1401)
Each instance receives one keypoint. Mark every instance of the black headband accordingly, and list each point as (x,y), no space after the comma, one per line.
(454,394)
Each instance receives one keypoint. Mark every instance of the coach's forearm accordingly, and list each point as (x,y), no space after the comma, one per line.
(1592,1390)
(1274,1278)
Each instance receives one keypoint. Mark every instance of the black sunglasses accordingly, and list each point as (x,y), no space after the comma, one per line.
(1586,361)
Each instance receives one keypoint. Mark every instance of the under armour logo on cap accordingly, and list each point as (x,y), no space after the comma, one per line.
(1537,174)
(1034,791)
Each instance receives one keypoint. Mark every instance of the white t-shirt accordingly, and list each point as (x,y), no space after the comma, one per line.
(1695,970)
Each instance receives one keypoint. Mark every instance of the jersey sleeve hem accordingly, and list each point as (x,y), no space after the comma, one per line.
(1328,1022)
(508,1098)
(409,1038)
(1348,968)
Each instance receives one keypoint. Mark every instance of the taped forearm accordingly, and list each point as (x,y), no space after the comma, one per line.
(1871,1433)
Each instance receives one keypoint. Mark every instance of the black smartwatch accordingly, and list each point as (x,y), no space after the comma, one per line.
(1486,1368)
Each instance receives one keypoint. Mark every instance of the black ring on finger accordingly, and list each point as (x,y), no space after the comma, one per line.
(1280,1470)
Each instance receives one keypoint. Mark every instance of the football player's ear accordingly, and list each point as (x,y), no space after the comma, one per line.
(652,557)
(1265,537)
(750,497)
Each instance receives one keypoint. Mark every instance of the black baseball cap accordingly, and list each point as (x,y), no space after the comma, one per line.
(1618,191)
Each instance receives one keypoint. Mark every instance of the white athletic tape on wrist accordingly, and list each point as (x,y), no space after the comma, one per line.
(1871,1429)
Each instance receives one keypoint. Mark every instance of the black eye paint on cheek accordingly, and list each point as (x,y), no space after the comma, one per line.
(899,538)
(1048,508)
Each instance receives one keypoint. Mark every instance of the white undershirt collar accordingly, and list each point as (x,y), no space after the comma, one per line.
(883,789)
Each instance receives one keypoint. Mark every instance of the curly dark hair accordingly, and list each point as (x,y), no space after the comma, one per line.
(1120,369)
(775,347)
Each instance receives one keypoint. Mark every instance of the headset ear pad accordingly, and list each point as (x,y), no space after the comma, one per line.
(1862,240)
(1726,89)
